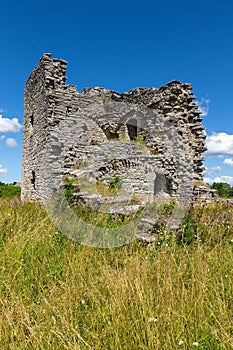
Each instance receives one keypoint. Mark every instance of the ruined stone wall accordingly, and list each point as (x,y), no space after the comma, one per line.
(136,135)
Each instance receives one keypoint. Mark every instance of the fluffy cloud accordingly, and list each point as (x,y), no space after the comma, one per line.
(210,171)
(2,137)
(3,170)
(228,161)
(227,179)
(9,125)
(207,180)
(219,144)
(204,106)
(11,143)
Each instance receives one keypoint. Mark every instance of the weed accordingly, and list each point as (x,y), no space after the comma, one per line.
(115,183)
(57,294)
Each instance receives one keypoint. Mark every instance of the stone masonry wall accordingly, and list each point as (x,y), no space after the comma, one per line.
(138,135)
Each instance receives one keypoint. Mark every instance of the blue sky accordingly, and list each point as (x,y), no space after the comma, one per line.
(121,45)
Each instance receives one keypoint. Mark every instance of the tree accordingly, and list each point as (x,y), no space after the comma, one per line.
(223,189)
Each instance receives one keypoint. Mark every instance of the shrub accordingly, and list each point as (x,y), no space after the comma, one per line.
(115,183)
(9,190)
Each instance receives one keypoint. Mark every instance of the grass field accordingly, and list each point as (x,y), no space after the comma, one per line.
(57,294)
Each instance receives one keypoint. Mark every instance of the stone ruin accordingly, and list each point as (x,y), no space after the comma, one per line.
(150,140)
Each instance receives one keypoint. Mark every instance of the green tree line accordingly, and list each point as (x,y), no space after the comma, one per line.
(223,189)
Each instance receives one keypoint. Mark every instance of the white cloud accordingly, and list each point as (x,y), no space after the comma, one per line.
(9,125)
(207,180)
(3,170)
(227,179)
(2,137)
(228,161)
(204,106)
(210,171)
(11,143)
(219,144)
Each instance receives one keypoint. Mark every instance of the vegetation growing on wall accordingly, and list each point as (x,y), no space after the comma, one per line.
(115,183)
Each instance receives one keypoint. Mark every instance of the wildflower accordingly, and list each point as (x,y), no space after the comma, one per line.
(151,319)
(181,342)
(82,302)
(195,343)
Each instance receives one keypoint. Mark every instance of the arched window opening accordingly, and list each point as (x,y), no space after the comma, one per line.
(111,130)
(132,129)
(160,184)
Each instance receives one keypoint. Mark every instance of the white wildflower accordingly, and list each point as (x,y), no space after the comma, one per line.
(195,343)
(181,342)
(151,319)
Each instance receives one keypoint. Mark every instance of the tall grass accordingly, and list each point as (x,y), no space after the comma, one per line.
(57,294)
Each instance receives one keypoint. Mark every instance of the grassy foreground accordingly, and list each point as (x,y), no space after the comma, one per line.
(57,294)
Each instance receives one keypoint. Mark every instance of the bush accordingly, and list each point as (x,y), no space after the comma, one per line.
(9,190)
